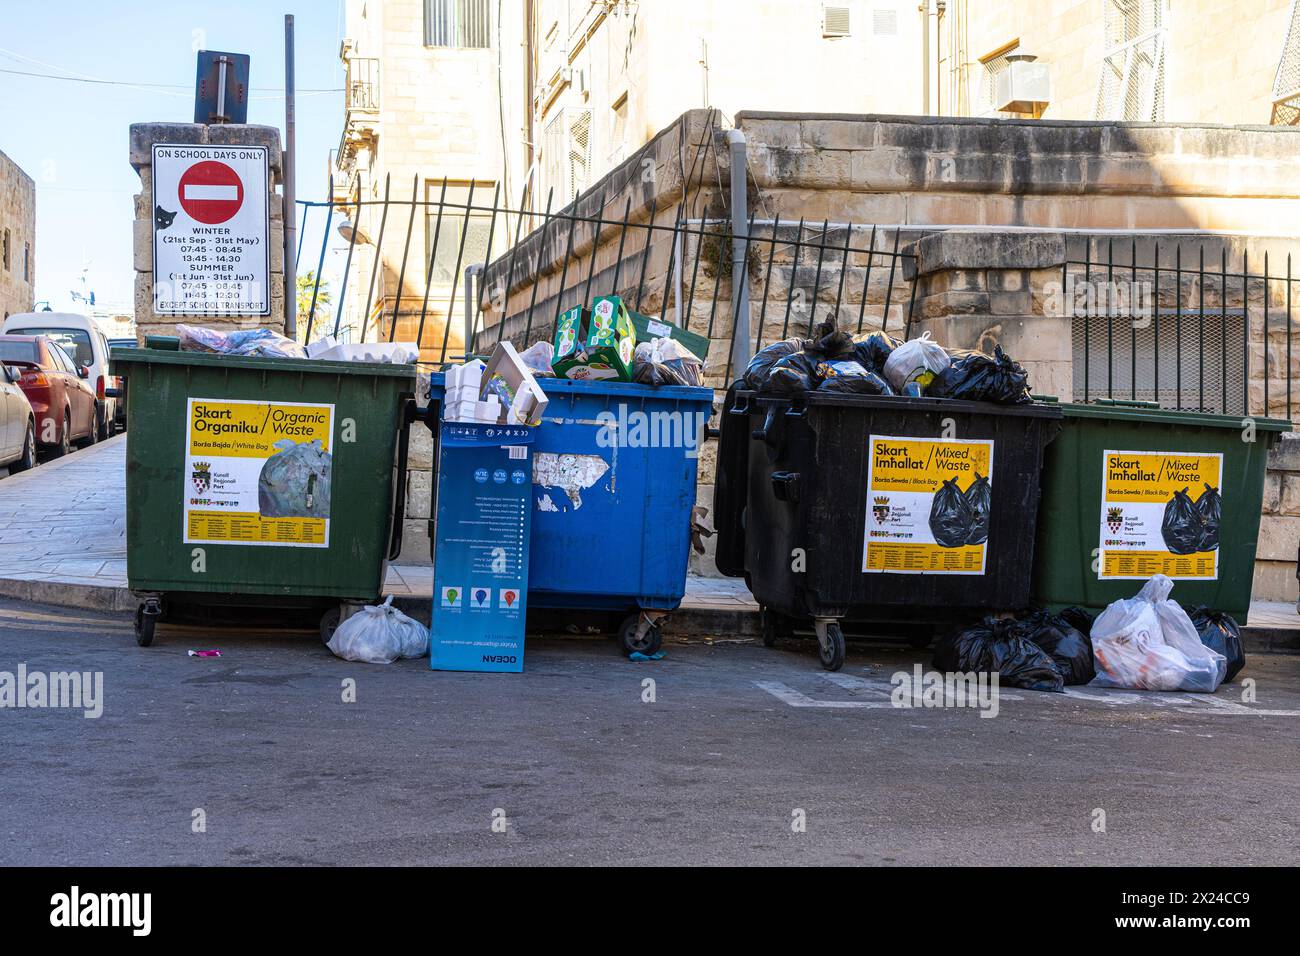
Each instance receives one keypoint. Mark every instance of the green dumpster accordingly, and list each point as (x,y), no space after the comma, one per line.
(1131,490)
(261,482)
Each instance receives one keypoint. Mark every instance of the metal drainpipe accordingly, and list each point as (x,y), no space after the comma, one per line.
(470,273)
(739,272)
(925,57)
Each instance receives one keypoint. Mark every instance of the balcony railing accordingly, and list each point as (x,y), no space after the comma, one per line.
(363,84)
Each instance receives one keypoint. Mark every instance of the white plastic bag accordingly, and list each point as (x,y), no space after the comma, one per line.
(379,635)
(538,358)
(916,360)
(1149,643)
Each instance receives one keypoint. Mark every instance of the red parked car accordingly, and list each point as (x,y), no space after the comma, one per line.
(60,395)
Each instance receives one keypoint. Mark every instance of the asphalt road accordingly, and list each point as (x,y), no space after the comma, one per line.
(738,740)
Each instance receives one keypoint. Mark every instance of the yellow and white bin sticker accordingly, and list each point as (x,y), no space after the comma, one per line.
(928,505)
(1160,514)
(258,473)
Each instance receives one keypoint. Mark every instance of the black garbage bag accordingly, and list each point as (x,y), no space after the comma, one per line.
(979,498)
(1219,632)
(829,342)
(849,375)
(950,517)
(996,645)
(1182,526)
(1078,618)
(873,350)
(977,377)
(795,373)
(1069,648)
(1210,508)
(760,365)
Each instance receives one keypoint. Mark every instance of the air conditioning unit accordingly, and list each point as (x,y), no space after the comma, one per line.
(1024,86)
(835,21)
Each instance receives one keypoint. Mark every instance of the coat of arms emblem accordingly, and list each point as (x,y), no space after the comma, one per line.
(202,476)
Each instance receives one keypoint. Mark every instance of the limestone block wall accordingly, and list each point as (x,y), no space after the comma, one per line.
(18,231)
(143,136)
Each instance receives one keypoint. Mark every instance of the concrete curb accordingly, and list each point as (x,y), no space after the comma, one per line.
(692,622)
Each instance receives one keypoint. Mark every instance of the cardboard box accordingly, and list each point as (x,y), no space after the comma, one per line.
(596,344)
(508,378)
(648,327)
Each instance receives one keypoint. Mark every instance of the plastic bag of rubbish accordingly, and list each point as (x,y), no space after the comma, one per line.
(1148,642)
(874,350)
(976,377)
(996,645)
(950,516)
(850,376)
(916,360)
(1078,618)
(379,635)
(538,358)
(1182,526)
(295,481)
(666,361)
(1069,648)
(795,373)
(1210,508)
(830,342)
(979,499)
(262,342)
(760,366)
(1220,633)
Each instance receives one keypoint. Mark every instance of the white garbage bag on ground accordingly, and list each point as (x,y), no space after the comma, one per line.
(1148,642)
(379,635)
(916,360)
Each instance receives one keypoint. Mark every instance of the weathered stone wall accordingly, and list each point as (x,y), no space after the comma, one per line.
(143,136)
(18,231)
(1279,531)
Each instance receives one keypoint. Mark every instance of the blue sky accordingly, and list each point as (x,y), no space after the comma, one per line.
(71,137)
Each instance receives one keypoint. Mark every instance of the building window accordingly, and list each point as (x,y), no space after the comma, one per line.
(566,153)
(1286,83)
(1132,84)
(27,262)
(476,227)
(6,250)
(456,23)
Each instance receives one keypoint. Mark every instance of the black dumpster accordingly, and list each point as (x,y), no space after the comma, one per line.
(881,508)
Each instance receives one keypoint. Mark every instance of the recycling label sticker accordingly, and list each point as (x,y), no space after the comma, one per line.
(1160,514)
(258,473)
(929,505)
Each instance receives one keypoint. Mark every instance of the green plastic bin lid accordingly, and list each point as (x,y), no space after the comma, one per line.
(122,360)
(1115,409)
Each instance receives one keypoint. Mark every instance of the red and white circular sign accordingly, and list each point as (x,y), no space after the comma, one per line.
(210,192)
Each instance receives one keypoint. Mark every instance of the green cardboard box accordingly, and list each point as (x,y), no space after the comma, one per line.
(648,327)
(595,344)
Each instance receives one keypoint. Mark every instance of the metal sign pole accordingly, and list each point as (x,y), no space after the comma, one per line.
(290,215)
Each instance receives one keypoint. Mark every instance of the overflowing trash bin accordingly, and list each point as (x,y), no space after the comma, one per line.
(1131,490)
(258,482)
(614,468)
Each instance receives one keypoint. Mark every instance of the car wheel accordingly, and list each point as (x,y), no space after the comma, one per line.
(64,444)
(103,426)
(28,458)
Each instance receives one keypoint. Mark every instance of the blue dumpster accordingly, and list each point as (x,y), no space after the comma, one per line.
(614,467)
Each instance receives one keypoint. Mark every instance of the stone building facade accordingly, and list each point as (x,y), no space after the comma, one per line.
(17,238)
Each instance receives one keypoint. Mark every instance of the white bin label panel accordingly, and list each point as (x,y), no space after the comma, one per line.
(211,230)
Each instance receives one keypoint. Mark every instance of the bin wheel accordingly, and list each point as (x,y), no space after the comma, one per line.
(146,618)
(831,650)
(329,622)
(648,644)
(772,626)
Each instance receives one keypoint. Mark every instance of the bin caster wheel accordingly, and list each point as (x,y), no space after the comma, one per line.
(830,648)
(329,623)
(649,642)
(146,617)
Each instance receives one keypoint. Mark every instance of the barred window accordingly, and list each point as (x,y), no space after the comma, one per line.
(457,23)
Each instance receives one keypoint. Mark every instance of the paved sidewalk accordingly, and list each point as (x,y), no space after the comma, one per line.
(63,525)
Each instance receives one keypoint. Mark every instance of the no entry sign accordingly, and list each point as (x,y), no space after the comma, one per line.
(211,247)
